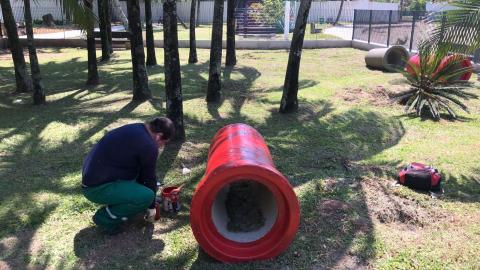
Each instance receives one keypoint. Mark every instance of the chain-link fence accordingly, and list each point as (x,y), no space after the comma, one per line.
(392,27)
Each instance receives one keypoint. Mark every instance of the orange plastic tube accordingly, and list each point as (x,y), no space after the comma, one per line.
(238,152)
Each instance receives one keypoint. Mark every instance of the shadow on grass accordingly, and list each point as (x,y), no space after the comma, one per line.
(131,249)
(464,188)
(35,165)
(307,146)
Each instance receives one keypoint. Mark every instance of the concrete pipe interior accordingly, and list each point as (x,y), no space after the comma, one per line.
(259,196)
(395,57)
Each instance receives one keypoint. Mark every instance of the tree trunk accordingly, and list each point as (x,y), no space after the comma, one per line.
(214,83)
(108,19)
(151,58)
(289,102)
(38,92)
(198,13)
(231,58)
(339,12)
(192,57)
(22,79)
(102,6)
(173,80)
(141,92)
(92,51)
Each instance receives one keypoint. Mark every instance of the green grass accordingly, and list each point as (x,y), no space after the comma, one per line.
(333,148)
(204,32)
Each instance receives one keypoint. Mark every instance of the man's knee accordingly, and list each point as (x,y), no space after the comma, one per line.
(144,197)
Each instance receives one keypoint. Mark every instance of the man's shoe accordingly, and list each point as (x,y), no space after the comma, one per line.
(111,230)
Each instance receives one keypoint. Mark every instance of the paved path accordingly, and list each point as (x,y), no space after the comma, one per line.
(70,33)
(343,32)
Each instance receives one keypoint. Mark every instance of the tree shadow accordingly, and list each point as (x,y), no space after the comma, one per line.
(316,143)
(98,251)
(463,188)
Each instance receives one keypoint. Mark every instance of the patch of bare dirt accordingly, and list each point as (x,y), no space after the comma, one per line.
(386,207)
(349,262)
(378,96)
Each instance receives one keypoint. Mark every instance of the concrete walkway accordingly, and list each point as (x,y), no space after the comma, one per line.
(343,32)
(71,33)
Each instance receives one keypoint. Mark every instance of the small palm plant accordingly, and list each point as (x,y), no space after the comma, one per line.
(435,82)
(436,85)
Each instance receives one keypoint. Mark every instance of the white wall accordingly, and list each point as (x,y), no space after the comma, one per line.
(324,9)
(436,7)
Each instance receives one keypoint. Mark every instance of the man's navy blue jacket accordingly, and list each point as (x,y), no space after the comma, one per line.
(125,153)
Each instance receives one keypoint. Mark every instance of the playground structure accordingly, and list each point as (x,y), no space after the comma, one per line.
(238,154)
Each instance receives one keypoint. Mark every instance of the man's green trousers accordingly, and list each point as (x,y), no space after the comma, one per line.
(122,199)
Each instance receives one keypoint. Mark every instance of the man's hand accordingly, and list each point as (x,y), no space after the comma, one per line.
(150,215)
(153,215)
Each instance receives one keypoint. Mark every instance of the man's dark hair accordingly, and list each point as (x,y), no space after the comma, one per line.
(162,125)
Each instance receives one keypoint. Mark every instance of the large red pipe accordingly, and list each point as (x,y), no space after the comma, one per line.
(238,152)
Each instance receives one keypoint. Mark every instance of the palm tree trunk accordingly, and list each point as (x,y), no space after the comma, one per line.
(289,102)
(198,13)
(92,51)
(192,56)
(339,13)
(151,58)
(22,79)
(108,19)
(173,80)
(141,92)
(231,58)
(214,83)
(102,6)
(38,92)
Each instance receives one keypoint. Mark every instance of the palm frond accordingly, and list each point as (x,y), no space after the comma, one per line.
(458,29)
(79,13)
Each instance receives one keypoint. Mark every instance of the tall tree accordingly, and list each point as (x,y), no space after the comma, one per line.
(214,83)
(289,102)
(141,91)
(102,6)
(38,92)
(151,59)
(192,56)
(173,81)
(92,51)
(339,12)
(22,79)
(108,19)
(231,58)
(198,13)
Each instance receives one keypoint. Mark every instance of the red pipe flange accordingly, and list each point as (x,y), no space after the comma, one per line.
(238,152)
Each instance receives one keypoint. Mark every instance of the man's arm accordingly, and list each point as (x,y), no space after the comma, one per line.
(147,175)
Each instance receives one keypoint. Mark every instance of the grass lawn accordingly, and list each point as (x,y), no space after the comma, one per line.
(345,144)
(204,32)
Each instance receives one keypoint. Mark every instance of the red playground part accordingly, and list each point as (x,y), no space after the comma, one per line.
(464,63)
(414,61)
(238,153)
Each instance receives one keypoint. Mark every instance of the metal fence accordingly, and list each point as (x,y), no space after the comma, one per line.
(392,27)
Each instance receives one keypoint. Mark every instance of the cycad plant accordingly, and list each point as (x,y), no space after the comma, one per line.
(435,83)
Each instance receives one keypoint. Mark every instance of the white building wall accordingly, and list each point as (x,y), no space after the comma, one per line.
(325,9)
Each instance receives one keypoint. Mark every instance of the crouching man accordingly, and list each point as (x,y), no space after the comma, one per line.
(119,172)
